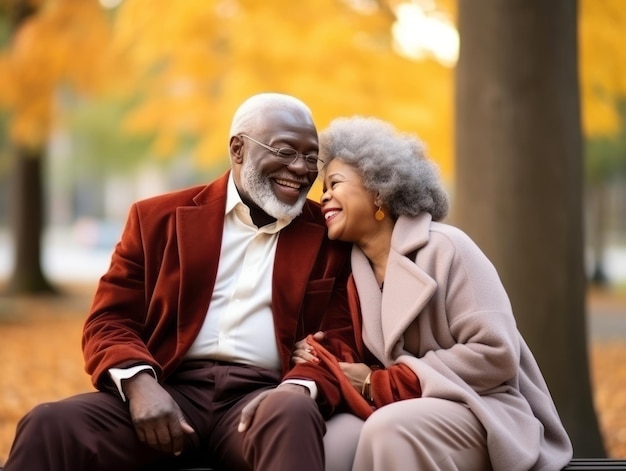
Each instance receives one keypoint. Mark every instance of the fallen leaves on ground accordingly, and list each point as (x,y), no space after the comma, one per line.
(608,372)
(41,360)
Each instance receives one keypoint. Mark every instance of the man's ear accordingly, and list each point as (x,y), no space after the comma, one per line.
(236,149)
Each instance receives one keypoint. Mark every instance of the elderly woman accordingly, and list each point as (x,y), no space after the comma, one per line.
(450,380)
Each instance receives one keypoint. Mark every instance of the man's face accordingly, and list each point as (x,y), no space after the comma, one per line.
(262,179)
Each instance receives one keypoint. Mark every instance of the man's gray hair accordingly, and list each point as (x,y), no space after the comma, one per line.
(249,116)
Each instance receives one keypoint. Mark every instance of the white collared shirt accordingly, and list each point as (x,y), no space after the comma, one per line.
(240,327)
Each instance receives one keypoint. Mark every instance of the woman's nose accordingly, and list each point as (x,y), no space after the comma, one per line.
(325,197)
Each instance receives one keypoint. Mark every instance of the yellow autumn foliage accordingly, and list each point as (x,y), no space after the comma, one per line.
(188,64)
(602,35)
(197,60)
(64,43)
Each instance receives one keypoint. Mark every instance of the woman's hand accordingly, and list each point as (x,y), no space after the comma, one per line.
(303,352)
(357,373)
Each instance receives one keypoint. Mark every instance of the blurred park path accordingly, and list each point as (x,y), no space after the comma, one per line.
(81,253)
(606,313)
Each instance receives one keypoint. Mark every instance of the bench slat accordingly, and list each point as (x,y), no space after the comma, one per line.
(592,464)
(577,464)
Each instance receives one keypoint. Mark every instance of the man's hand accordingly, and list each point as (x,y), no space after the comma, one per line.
(157,418)
(247,413)
(303,352)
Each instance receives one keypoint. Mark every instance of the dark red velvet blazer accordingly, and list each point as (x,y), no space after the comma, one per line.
(151,303)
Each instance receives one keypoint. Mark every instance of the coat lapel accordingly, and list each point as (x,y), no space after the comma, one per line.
(407,289)
(370,302)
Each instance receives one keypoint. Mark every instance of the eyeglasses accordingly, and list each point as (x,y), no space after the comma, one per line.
(287,156)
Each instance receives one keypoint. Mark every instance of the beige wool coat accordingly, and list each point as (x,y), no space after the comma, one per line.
(445,313)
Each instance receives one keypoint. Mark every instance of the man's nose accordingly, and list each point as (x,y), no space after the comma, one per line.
(298,165)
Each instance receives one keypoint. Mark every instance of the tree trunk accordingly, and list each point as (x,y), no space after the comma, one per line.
(519,182)
(26,208)
(26,205)
(598,230)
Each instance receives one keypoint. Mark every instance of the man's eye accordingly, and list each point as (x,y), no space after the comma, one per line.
(286,152)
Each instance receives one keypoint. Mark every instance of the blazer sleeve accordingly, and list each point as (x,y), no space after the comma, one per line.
(395,383)
(112,331)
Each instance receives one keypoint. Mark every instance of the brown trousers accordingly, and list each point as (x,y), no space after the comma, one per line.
(93,431)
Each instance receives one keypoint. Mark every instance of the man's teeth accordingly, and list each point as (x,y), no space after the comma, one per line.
(288,183)
(330,214)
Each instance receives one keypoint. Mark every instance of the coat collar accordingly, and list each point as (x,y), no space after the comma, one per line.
(408,288)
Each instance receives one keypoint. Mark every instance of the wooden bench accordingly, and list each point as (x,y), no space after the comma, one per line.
(577,464)
(591,464)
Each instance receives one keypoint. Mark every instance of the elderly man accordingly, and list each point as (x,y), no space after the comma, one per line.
(207,292)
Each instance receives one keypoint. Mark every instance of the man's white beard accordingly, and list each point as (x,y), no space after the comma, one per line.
(259,189)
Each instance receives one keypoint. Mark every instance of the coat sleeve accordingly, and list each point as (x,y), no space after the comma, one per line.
(483,349)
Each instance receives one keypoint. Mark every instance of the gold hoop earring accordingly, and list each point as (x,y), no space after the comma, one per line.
(379,215)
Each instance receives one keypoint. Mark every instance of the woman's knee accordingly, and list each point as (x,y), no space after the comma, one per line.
(397,422)
(380,423)
(341,440)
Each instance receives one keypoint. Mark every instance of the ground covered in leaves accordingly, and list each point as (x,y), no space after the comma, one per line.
(40,360)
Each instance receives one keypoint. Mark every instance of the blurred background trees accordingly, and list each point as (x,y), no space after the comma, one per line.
(603,79)
(104,102)
(174,72)
(52,45)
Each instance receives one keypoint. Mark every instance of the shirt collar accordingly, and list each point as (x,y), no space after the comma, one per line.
(236,206)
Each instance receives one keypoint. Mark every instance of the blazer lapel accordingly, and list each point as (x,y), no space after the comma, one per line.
(292,268)
(199,236)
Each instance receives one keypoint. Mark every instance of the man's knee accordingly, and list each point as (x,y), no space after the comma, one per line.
(46,415)
(289,409)
(285,422)
(290,403)
(47,424)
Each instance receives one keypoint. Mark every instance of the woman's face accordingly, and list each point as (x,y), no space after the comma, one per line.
(347,206)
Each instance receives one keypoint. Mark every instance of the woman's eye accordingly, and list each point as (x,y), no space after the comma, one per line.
(332,184)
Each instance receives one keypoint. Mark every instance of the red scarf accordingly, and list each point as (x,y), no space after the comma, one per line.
(353,400)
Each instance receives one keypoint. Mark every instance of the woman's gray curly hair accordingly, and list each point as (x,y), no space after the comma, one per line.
(391,163)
